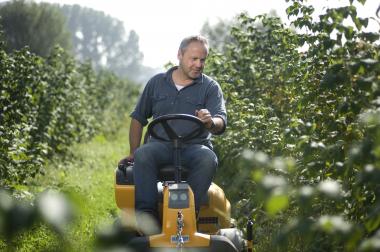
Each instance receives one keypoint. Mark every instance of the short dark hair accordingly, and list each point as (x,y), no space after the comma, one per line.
(196,38)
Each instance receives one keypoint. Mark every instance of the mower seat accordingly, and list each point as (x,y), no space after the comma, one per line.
(124,174)
(167,173)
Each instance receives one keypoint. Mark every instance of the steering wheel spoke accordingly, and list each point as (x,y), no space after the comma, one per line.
(169,130)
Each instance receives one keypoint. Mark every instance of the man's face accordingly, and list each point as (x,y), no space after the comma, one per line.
(192,59)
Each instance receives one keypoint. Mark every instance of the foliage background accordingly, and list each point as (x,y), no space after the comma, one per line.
(303,140)
(46,104)
(304,124)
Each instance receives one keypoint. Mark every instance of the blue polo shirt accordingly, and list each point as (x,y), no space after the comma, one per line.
(161,97)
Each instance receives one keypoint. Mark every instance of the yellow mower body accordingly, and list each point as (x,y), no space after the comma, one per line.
(200,234)
(215,212)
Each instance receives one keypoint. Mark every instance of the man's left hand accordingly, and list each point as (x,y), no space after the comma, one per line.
(205,116)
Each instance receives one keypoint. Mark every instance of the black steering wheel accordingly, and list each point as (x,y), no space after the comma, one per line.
(169,130)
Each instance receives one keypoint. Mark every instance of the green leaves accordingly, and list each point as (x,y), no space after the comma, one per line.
(276,203)
(315,106)
(369,36)
(335,76)
(48,104)
(333,224)
(330,188)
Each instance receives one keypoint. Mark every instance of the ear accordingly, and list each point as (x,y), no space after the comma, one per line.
(179,55)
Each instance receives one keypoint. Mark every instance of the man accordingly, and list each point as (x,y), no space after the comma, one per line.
(181,90)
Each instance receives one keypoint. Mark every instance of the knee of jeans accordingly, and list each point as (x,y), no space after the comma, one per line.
(208,164)
(138,154)
(213,163)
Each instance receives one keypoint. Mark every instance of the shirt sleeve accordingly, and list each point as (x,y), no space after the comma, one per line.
(216,105)
(143,109)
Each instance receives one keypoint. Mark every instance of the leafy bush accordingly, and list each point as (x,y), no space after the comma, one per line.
(309,118)
(47,104)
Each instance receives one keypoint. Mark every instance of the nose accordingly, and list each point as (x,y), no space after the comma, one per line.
(199,63)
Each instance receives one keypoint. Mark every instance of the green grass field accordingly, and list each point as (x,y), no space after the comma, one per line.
(87,178)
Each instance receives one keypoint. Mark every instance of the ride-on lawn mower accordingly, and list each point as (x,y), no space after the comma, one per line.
(182,229)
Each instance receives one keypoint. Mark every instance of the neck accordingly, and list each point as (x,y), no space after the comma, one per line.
(180,78)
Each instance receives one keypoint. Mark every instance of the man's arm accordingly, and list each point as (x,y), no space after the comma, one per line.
(218,125)
(135,134)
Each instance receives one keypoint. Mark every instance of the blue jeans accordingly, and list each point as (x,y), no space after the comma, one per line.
(199,159)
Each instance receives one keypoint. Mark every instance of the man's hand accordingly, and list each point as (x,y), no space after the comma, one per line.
(126,161)
(205,116)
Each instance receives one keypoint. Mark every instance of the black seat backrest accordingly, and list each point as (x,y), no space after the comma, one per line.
(167,173)
(124,174)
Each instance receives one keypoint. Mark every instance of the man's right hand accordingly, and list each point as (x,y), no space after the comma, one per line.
(126,161)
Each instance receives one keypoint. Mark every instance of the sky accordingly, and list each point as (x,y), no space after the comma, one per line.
(162,24)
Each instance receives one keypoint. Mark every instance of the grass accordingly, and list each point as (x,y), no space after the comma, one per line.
(88,180)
